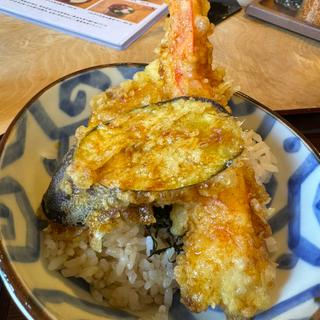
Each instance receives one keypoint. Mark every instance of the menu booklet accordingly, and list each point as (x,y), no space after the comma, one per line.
(115,23)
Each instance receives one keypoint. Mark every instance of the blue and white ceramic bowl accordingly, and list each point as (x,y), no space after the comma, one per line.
(41,134)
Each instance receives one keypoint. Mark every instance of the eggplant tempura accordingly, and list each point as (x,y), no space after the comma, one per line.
(166,138)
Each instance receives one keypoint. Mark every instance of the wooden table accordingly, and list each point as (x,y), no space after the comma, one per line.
(276,67)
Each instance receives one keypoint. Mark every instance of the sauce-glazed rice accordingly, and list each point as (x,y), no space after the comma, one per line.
(123,275)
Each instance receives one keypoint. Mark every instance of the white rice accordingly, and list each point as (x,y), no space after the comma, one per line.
(259,153)
(122,275)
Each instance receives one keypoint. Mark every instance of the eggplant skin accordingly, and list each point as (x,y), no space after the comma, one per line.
(72,207)
(56,203)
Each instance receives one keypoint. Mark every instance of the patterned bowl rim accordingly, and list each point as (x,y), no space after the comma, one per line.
(26,303)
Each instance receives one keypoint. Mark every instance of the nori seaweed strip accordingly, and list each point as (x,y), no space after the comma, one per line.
(163,221)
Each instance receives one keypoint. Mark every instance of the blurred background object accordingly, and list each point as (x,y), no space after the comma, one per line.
(300,16)
(222,9)
(289,4)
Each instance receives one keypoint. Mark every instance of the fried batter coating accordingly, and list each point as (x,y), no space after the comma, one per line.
(225,260)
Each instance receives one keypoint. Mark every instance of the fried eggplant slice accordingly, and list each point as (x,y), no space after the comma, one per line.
(164,146)
(148,155)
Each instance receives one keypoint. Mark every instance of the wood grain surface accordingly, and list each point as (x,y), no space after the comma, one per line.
(276,67)
(32,57)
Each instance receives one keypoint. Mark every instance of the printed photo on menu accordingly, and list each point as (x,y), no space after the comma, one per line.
(80,3)
(122,9)
(89,3)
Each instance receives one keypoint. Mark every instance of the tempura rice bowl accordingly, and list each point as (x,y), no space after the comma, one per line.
(29,259)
